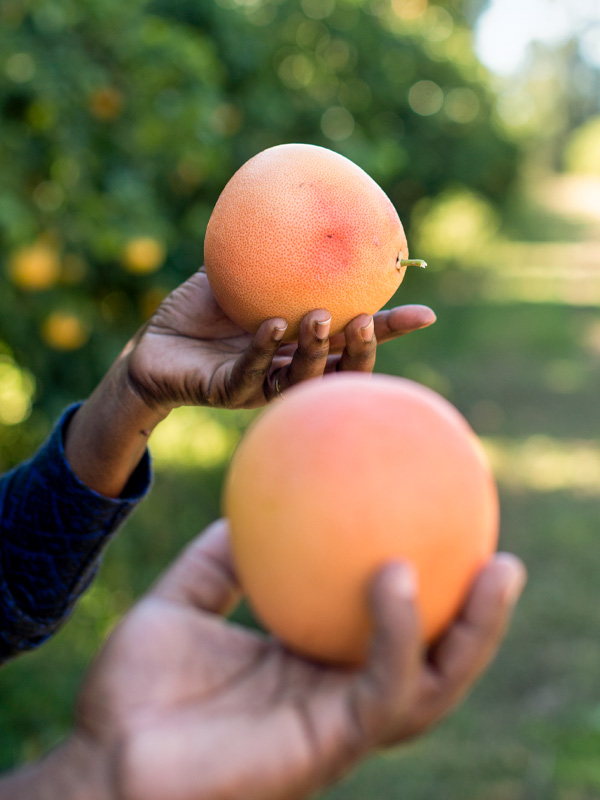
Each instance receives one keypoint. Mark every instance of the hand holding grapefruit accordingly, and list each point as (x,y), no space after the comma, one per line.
(300,227)
(342,477)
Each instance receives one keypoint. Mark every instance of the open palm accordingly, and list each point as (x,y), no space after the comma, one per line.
(190,707)
(191,353)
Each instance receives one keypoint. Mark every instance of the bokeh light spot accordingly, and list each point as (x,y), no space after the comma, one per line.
(66,170)
(143,255)
(336,55)
(425,98)
(318,9)
(438,24)
(337,123)
(63,330)
(192,437)
(296,71)
(516,108)
(35,267)
(409,9)
(582,154)
(17,387)
(42,116)
(455,224)
(226,119)
(107,103)
(20,68)
(48,196)
(462,105)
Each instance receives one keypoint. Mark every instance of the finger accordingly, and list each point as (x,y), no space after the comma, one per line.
(250,371)
(391,323)
(463,653)
(203,576)
(401,320)
(383,691)
(472,641)
(361,346)
(310,358)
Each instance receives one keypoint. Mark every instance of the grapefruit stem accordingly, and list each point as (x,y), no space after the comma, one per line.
(413,262)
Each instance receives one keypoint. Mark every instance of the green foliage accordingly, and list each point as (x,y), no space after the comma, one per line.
(121,123)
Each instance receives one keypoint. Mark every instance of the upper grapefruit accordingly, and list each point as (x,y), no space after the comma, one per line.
(300,227)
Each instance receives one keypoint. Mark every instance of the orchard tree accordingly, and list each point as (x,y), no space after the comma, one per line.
(122,121)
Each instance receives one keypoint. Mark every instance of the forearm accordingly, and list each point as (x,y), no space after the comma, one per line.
(53,530)
(108,435)
(77,770)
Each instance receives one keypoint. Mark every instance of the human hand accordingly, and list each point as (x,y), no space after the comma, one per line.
(191,353)
(183,705)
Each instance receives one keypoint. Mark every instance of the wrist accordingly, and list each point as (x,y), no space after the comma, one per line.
(108,435)
(81,770)
(133,403)
(78,769)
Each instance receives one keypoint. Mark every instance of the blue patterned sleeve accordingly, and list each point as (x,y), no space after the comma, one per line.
(53,530)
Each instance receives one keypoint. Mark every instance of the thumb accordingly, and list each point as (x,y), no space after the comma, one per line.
(385,688)
(203,576)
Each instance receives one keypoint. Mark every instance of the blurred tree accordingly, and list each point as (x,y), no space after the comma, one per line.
(555,92)
(393,85)
(121,123)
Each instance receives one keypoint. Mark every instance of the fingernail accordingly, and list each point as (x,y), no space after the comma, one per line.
(368,331)
(431,321)
(515,587)
(405,581)
(322,329)
(279,333)
(518,577)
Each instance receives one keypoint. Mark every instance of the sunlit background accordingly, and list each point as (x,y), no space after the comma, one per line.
(119,125)
(508,31)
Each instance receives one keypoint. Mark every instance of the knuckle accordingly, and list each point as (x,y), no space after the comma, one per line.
(362,350)
(260,351)
(315,353)
(364,722)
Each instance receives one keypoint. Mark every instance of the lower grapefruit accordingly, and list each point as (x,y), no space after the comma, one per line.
(341,477)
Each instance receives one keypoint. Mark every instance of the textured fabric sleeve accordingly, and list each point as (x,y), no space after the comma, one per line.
(53,530)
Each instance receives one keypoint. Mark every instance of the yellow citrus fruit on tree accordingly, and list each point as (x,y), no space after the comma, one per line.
(35,267)
(338,479)
(143,255)
(63,330)
(300,227)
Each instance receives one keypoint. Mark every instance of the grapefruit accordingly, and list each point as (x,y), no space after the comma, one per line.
(341,477)
(300,227)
